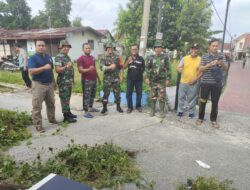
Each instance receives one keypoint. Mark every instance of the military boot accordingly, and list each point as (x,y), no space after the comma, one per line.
(104,109)
(118,108)
(72,115)
(152,111)
(67,118)
(162,110)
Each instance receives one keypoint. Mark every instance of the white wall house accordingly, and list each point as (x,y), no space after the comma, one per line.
(241,45)
(76,39)
(52,37)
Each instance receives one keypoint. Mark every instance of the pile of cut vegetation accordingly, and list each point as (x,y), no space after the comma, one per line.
(13,127)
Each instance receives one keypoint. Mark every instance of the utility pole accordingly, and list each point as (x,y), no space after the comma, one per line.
(159,16)
(144,28)
(225,26)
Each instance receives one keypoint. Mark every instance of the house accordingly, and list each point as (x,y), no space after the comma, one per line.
(241,45)
(52,37)
(107,34)
(227,47)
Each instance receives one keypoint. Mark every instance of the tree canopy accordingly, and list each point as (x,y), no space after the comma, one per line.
(58,12)
(77,22)
(55,15)
(15,14)
(182,21)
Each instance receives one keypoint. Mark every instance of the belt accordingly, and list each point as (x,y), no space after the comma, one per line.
(42,83)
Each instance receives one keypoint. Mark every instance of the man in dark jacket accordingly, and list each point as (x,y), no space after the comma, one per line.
(136,67)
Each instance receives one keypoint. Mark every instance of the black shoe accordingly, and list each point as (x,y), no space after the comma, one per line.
(104,109)
(119,109)
(72,115)
(68,119)
(129,110)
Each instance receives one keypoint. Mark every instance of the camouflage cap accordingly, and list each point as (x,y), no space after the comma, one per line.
(109,45)
(158,43)
(64,43)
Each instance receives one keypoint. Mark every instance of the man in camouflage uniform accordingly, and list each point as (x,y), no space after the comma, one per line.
(65,79)
(109,63)
(158,75)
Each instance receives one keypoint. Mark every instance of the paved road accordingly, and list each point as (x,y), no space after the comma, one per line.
(167,151)
(237,94)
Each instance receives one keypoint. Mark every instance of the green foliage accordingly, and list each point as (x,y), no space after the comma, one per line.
(202,183)
(40,21)
(58,11)
(194,22)
(128,24)
(99,166)
(15,78)
(77,22)
(183,21)
(51,17)
(15,14)
(11,77)
(13,127)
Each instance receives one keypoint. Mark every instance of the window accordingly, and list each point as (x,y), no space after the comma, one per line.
(91,43)
(241,44)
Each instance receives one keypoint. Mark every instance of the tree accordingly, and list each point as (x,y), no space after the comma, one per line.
(128,24)
(194,22)
(58,12)
(77,22)
(183,21)
(40,21)
(15,14)
(55,15)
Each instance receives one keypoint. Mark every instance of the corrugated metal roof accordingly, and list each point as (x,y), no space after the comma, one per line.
(44,33)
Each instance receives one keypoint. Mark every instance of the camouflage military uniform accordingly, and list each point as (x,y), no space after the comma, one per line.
(110,77)
(158,71)
(64,81)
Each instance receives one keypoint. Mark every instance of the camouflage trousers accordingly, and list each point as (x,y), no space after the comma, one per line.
(64,95)
(158,92)
(89,91)
(107,85)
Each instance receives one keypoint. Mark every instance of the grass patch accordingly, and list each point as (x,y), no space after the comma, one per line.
(12,77)
(99,166)
(13,127)
(202,183)
(16,78)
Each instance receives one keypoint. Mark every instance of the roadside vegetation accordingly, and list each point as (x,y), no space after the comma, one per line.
(100,166)
(13,127)
(15,78)
(203,183)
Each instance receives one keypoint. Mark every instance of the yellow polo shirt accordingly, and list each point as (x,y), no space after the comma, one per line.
(190,68)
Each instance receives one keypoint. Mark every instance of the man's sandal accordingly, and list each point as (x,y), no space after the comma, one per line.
(198,122)
(215,124)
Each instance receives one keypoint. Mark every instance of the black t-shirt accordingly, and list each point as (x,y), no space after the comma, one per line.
(136,68)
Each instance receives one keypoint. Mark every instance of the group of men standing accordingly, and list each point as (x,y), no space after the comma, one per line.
(203,77)
(155,71)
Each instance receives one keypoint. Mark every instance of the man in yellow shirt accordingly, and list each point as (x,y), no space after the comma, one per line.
(189,69)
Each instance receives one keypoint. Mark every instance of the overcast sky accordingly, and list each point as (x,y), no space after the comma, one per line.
(101,14)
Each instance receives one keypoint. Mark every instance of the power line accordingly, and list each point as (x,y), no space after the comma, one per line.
(217,13)
(84,7)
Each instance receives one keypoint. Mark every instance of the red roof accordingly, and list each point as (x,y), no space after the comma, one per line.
(227,46)
(43,33)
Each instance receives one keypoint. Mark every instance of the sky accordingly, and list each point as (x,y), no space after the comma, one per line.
(101,14)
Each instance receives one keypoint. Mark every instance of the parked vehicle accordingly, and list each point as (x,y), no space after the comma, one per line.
(9,63)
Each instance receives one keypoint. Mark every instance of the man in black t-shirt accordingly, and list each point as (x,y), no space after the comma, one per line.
(136,67)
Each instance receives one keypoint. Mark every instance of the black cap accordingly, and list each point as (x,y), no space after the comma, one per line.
(195,46)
